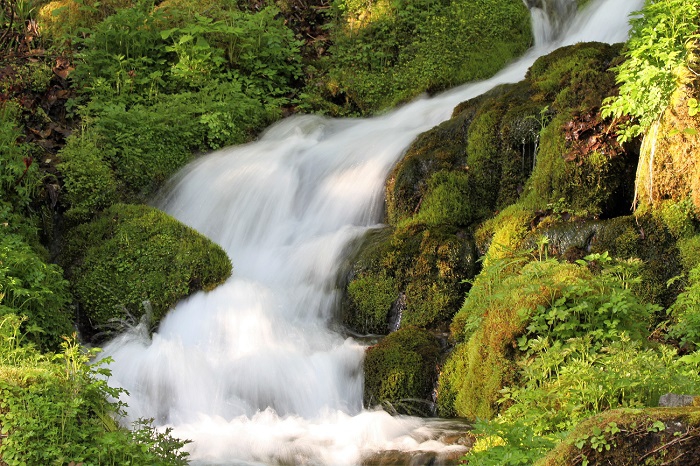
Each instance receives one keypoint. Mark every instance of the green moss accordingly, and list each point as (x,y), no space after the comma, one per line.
(494,314)
(680,218)
(644,238)
(688,249)
(435,281)
(574,77)
(450,200)
(426,267)
(371,297)
(401,369)
(442,148)
(504,234)
(134,253)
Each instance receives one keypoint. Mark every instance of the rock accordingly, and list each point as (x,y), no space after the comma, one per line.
(671,400)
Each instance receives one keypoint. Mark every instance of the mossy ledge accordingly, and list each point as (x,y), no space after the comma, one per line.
(654,436)
(136,253)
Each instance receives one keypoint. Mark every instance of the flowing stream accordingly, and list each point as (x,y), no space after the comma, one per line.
(255,372)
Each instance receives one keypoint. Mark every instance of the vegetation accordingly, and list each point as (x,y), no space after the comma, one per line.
(656,53)
(399,371)
(55,410)
(389,51)
(134,254)
(577,306)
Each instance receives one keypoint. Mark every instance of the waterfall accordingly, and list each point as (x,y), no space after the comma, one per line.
(253,371)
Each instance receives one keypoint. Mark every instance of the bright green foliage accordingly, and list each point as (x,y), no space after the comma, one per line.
(566,381)
(507,444)
(494,314)
(400,370)
(132,254)
(599,307)
(655,52)
(390,51)
(55,410)
(686,313)
(31,287)
(542,300)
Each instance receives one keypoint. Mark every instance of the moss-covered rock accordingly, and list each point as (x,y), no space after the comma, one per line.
(494,314)
(655,436)
(400,371)
(645,238)
(417,272)
(135,253)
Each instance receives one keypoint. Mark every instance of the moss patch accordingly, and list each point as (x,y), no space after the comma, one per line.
(400,371)
(492,317)
(134,253)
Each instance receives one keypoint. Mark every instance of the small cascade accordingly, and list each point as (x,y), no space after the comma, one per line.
(253,372)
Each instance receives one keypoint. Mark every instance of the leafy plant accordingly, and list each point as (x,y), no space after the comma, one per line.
(655,51)
(55,410)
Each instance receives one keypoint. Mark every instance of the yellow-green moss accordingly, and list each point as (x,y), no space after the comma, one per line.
(494,314)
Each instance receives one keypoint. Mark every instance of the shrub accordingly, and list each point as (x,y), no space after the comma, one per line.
(31,287)
(390,51)
(88,180)
(56,410)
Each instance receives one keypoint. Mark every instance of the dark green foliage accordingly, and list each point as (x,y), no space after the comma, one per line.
(19,176)
(400,370)
(55,410)
(390,51)
(131,254)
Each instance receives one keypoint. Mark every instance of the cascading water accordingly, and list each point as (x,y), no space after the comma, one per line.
(253,371)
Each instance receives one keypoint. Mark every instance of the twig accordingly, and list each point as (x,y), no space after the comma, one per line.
(680,439)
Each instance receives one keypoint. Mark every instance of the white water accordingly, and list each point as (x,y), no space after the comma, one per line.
(252,372)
